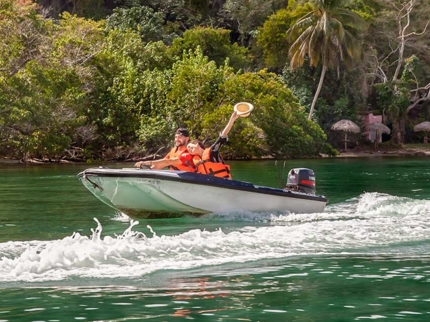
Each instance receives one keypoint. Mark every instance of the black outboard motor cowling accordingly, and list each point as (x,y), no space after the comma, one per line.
(301,179)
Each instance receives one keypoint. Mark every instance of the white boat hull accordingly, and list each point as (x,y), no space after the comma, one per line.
(148,193)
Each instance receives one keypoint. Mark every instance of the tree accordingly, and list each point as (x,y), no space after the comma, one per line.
(398,32)
(272,36)
(328,34)
(200,95)
(338,99)
(397,61)
(118,97)
(247,15)
(278,125)
(140,19)
(84,8)
(214,43)
(44,79)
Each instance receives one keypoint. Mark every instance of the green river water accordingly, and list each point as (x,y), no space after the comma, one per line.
(367,257)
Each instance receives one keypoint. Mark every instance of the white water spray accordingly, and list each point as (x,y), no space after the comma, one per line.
(371,221)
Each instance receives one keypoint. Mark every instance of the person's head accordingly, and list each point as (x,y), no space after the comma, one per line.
(195,147)
(181,137)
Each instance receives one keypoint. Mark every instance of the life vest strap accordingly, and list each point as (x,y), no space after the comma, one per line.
(225,169)
(212,172)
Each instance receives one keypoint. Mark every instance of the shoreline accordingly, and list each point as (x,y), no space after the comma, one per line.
(395,152)
(353,153)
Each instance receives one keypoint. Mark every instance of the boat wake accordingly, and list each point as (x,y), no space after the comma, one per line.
(369,224)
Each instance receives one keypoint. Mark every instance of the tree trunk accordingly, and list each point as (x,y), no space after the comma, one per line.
(402,130)
(317,93)
(396,136)
(377,138)
(401,53)
(408,7)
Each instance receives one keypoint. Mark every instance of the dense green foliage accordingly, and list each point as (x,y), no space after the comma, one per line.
(273,38)
(86,80)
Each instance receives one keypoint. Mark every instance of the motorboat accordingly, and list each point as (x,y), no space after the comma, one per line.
(145,193)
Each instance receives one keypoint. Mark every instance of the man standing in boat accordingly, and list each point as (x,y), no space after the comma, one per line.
(177,159)
(209,161)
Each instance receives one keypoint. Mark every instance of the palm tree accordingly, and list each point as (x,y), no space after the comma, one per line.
(327,35)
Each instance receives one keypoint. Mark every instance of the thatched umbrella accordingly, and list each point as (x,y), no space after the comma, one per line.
(424,127)
(379,128)
(346,126)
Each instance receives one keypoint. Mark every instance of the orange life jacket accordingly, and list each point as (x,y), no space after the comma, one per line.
(206,166)
(176,153)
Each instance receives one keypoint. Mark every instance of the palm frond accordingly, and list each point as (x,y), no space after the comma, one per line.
(295,30)
(303,37)
(338,29)
(351,19)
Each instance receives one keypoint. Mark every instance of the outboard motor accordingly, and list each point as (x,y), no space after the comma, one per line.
(301,179)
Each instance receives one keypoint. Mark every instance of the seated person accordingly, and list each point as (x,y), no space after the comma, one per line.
(177,159)
(209,161)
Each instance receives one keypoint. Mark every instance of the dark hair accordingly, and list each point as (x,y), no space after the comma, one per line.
(199,143)
(183,131)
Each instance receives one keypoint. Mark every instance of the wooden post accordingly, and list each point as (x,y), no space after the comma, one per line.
(346,138)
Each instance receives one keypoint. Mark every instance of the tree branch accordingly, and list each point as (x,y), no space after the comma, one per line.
(402,30)
(421,88)
(418,33)
(424,99)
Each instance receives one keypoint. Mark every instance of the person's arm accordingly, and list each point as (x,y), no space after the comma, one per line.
(214,154)
(227,128)
(222,139)
(159,164)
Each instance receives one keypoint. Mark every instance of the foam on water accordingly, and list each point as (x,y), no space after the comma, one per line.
(121,217)
(355,226)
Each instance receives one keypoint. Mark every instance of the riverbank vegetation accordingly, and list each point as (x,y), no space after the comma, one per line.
(100,80)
